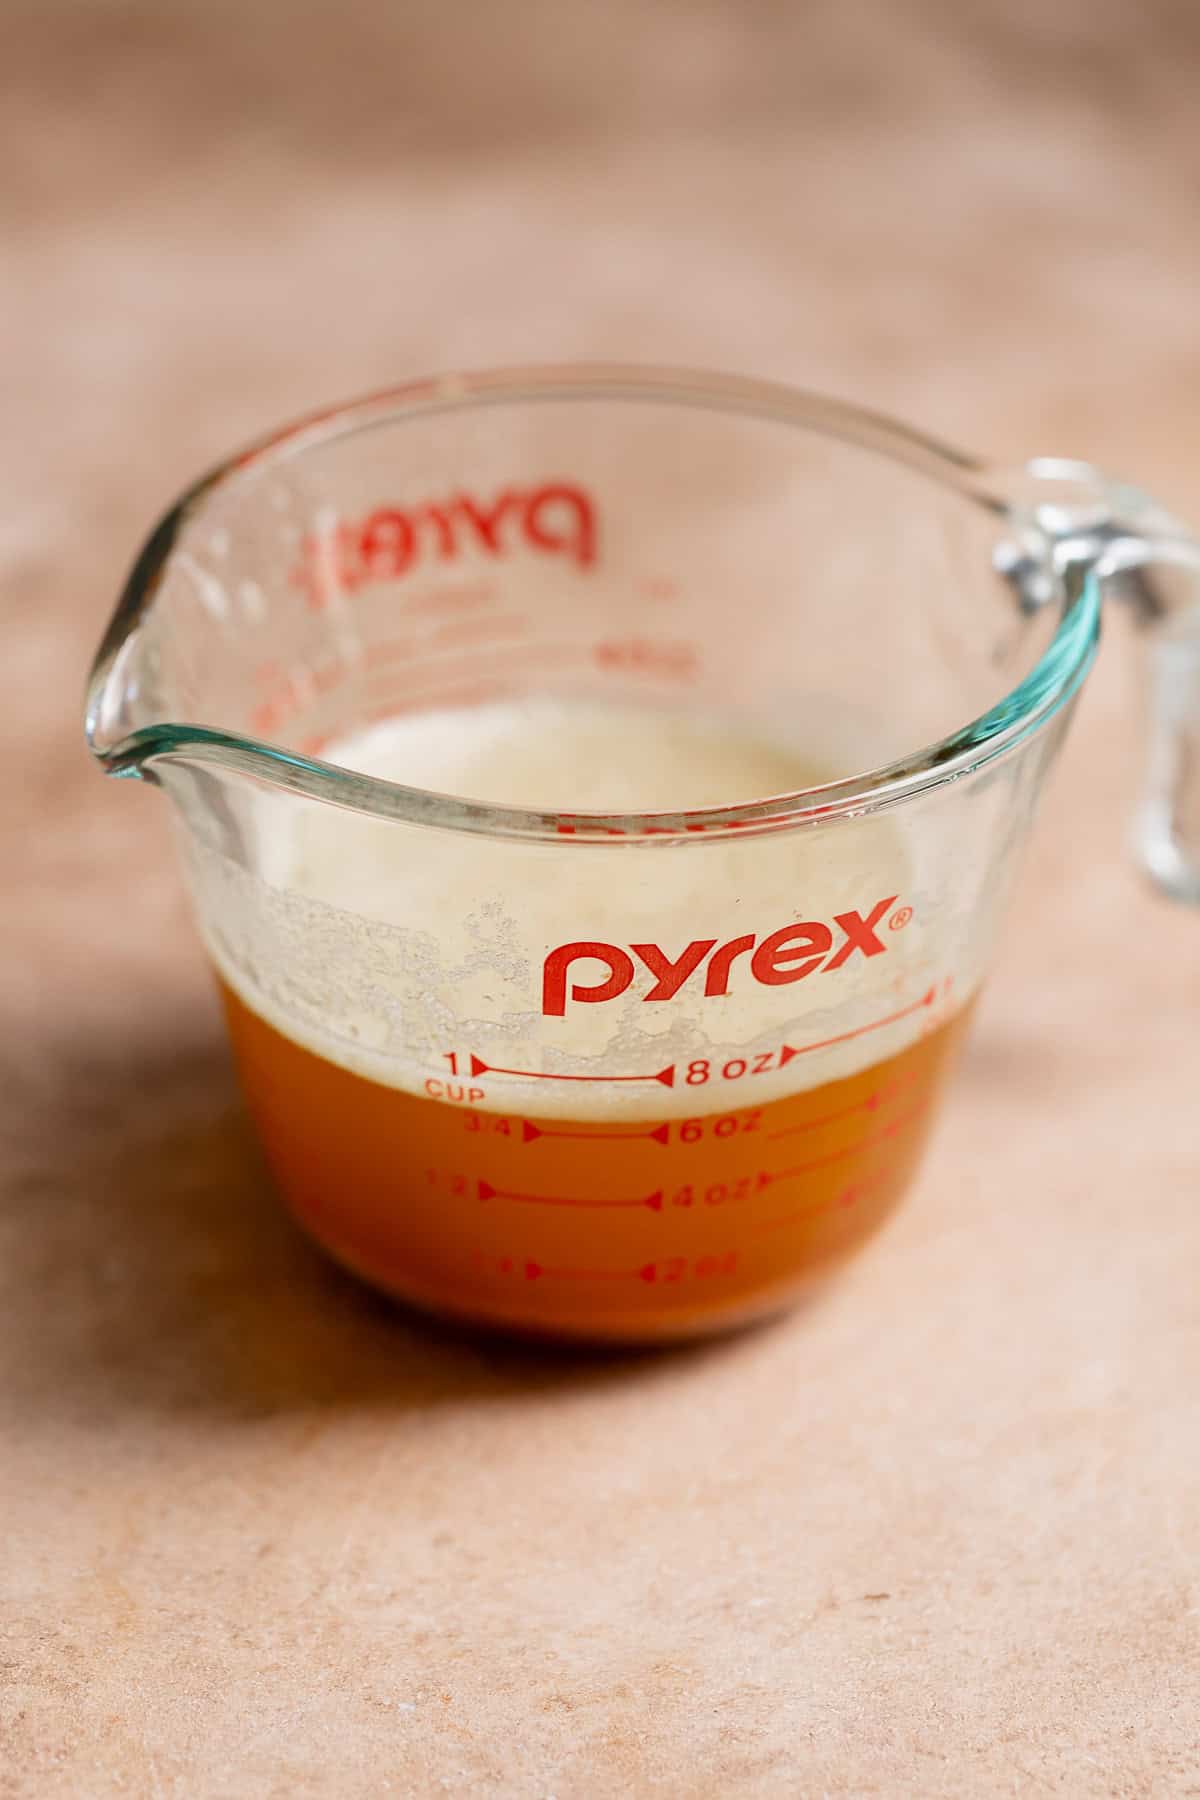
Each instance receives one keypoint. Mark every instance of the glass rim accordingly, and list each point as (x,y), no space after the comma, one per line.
(1048,686)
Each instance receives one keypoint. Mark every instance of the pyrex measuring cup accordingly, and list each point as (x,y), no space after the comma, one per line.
(637,1072)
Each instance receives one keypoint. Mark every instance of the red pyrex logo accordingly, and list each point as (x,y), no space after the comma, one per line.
(789,954)
(556,518)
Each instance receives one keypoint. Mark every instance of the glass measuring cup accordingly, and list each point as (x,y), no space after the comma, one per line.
(638,1072)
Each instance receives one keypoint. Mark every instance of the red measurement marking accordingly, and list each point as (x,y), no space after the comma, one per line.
(530,1131)
(669,1270)
(648,656)
(794,1218)
(456,665)
(839,1203)
(297,691)
(479,1067)
(445,641)
(387,702)
(452,599)
(480,631)
(864,1143)
(872,1103)
(487,1192)
(403,704)
(268,715)
(848,1197)
(461,696)
(534,1271)
(843,1037)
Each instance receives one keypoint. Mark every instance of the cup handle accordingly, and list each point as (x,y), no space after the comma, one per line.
(1073,522)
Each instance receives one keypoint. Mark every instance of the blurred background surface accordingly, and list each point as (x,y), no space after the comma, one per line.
(929,1539)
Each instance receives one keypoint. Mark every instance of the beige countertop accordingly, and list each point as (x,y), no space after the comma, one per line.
(261,1535)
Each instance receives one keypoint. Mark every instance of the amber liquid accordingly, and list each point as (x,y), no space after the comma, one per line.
(620,1228)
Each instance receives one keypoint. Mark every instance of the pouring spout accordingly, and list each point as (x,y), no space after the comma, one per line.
(124,700)
(111,716)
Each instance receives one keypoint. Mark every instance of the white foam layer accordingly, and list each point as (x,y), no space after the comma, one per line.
(390,949)
(581,756)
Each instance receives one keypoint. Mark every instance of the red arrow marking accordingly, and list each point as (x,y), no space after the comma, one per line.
(872,1103)
(529,1131)
(805,1212)
(848,1197)
(486,1191)
(843,1037)
(865,1143)
(479,1067)
(533,1271)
